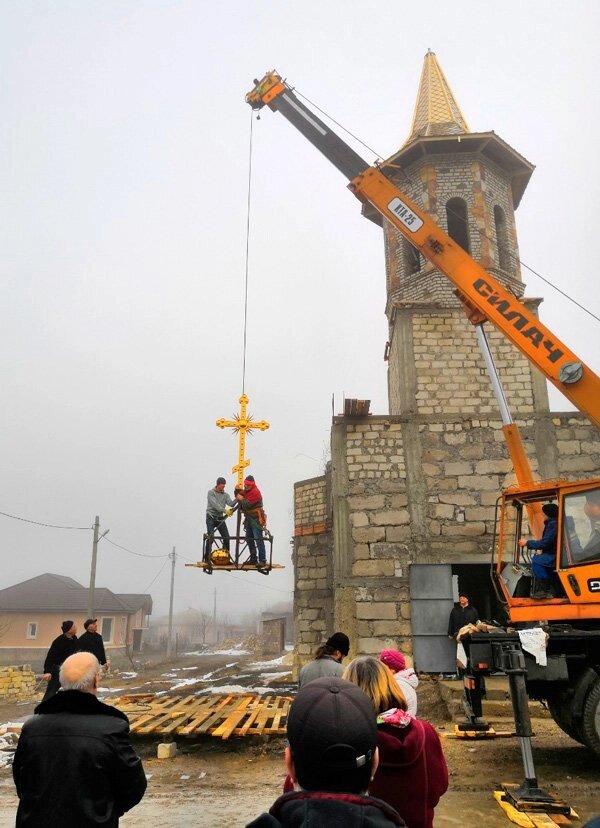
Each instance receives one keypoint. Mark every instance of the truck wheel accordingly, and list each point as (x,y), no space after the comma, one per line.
(560,710)
(590,722)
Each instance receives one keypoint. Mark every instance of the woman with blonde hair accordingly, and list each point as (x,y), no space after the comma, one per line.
(412,774)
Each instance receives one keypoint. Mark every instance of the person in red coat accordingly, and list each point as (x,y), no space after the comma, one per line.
(412,774)
(255,520)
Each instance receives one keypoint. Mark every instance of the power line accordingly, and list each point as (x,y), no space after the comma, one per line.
(566,295)
(39,523)
(131,552)
(164,563)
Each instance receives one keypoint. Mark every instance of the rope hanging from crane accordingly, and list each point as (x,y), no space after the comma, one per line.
(250,547)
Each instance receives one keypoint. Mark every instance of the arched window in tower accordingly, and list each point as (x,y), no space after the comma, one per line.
(502,239)
(458,226)
(412,258)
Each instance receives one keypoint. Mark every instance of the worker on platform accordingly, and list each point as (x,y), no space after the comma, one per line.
(543,563)
(218,508)
(255,520)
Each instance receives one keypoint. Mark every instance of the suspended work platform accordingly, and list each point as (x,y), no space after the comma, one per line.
(243,552)
(232,567)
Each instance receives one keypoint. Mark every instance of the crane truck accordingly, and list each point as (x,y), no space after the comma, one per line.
(569,681)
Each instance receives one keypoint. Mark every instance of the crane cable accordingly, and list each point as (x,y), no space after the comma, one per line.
(247,252)
(481,232)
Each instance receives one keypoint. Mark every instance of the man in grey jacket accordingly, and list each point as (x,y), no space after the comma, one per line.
(218,509)
(327,661)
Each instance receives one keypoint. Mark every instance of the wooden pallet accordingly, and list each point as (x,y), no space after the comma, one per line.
(213,714)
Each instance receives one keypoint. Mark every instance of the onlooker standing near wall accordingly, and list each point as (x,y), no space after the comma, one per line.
(61,648)
(412,774)
(327,661)
(91,642)
(461,615)
(406,678)
(74,766)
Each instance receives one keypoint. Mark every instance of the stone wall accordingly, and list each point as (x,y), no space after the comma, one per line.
(16,683)
(313,566)
(312,510)
(413,490)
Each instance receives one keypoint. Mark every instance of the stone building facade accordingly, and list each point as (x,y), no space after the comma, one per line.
(419,486)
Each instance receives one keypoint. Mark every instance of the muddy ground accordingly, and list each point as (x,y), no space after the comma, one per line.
(215,783)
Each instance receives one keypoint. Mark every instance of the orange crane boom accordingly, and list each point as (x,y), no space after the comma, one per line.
(474,284)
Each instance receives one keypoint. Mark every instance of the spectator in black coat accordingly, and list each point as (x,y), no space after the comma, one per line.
(91,642)
(461,615)
(60,649)
(74,766)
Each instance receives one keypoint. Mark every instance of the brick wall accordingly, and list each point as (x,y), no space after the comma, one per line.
(447,373)
(312,510)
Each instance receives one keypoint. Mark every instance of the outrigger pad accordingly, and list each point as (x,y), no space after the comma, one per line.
(534,800)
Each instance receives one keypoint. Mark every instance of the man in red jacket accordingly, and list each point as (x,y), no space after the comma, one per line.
(255,520)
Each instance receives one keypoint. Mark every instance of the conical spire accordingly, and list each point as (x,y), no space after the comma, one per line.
(436,110)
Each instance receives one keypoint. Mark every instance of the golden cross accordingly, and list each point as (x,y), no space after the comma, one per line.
(242,423)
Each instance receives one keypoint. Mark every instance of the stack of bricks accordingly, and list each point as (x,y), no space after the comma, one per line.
(16,683)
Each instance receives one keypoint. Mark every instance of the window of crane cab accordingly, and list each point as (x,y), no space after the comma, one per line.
(511,530)
(581,528)
(458,223)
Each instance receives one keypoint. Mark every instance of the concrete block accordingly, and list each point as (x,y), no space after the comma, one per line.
(376,611)
(380,568)
(166,750)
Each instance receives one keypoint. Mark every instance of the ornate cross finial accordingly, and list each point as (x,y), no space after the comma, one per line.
(242,423)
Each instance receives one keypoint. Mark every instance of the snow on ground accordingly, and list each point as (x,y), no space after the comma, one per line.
(273,676)
(8,743)
(185,683)
(235,688)
(127,676)
(260,665)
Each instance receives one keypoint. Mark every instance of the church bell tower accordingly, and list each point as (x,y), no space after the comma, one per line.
(470,183)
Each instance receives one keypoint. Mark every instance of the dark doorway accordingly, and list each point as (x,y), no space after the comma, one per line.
(434,590)
(475,580)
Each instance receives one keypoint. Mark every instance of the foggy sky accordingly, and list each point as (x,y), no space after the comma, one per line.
(124,166)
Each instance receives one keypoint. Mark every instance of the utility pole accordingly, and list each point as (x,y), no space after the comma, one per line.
(173,558)
(97,537)
(215,617)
